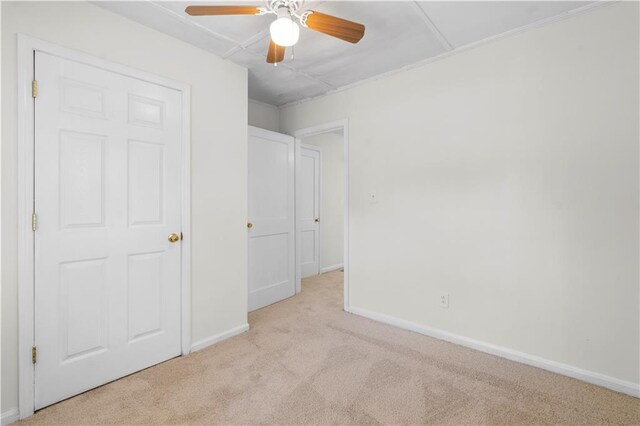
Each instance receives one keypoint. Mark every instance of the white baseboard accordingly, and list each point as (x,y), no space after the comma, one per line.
(331,268)
(212,340)
(612,383)
(9,416)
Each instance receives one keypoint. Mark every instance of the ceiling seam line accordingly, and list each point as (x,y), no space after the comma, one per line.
(433,28)
(254,39)
(304,74)
(294,70)
(246,44)
(194,24)
(229,53)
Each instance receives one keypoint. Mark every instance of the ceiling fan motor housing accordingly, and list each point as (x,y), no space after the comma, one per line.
(283,12)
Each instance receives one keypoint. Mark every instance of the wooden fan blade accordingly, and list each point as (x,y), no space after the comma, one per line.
(221,10)
(275,53)
(336,27)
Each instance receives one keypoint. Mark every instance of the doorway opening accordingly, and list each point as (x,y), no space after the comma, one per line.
(322,211)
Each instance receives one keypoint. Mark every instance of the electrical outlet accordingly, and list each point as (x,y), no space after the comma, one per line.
(444,300)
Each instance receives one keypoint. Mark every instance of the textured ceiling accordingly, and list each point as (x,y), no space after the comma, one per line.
(398,34)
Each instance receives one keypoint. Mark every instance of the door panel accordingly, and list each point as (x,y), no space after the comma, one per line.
(271,213)
(82,185)
(146,169)
(107,281)
(309,210)
(84,315)
(145,294)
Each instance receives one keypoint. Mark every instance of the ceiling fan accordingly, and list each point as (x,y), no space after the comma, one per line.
(284,30)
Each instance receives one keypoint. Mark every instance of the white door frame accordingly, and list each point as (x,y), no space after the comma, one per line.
(27,46)
(317,130)
(298,145)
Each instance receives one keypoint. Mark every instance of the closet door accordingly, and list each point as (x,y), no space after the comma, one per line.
(107,198)
(271,224)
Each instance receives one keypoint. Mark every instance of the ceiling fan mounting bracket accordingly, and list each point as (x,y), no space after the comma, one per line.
(292,5)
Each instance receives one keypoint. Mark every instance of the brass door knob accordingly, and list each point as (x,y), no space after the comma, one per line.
(249,225)
(173,238)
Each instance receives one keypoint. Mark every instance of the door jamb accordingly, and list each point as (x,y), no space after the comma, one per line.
(27,46)
(317,130)
(298,148)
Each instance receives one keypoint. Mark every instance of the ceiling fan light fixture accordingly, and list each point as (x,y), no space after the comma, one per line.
(284,32)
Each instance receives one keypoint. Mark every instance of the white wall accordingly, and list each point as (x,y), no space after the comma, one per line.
(506,175)
(219,156)
(332,199)
(264,116)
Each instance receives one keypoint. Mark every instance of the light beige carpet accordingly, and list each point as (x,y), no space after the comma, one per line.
(305,361)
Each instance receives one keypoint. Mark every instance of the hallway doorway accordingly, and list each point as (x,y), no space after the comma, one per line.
(322,203)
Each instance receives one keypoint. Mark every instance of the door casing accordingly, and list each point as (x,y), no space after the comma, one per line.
(27,46)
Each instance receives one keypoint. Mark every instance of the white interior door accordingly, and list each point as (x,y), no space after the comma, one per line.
(271,218)
(107,195)
(309,210)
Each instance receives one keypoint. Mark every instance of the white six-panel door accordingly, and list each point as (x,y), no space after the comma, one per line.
(308,212)
(107,195)
(271,216)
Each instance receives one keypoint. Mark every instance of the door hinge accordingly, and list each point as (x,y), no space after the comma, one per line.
(34,221)
(34,354)
(34,88)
